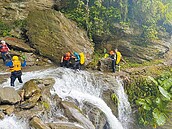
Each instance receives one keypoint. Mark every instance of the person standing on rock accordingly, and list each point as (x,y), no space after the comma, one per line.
(118,58)
(15,66)
(113,58)
(4,51)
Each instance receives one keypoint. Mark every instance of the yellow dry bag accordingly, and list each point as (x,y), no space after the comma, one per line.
(118,57)
(82,58)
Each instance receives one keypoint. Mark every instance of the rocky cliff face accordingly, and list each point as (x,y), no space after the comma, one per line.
(53,35)
(49,32)
(11,10)
(132,46)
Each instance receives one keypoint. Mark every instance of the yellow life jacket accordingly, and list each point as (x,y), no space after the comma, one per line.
(82,58)
(16,66)
(118,57)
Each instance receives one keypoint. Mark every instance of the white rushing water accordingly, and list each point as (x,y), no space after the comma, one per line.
(11,122)
(124,108)
(83,86)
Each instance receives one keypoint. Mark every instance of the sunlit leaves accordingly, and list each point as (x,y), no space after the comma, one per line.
(144,104)
(159,117)
(153,108)
(153,80)
(164,93)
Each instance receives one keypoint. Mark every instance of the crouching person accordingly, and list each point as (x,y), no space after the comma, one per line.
(15,66)
(77,61)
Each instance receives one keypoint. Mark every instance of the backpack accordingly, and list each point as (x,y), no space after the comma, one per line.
(82,58)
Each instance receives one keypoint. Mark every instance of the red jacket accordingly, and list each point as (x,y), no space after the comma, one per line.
(4,48)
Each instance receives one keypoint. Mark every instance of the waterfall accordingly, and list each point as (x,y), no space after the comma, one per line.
(124,108)
(11,122)
(82,86)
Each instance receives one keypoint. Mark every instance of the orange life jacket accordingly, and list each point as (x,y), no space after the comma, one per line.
(16,66)
(67,56)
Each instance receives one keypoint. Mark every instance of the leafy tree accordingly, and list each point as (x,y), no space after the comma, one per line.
(99,16)
(152,97)
(95,18)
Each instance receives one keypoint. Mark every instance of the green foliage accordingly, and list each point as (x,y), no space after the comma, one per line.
(4,29)
(159,117)
(96,57)
(152,96)
(20,23)
(46,105)
(98,17)
(114,98)
(152,16)
(150,32)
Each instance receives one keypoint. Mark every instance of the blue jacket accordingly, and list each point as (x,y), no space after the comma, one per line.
(77,56)
(10,64)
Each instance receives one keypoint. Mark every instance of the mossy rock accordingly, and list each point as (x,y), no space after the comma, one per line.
(30,88)
(52,35)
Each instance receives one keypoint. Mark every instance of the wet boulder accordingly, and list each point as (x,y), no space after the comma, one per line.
(30,88)
(64,125)
(11,98)
(37,110)
(106,96)
(31,102)
(2,115)
(7,109)
(32,94)
(59,4)
(37,99)
(75,115)
(105,64)
(95,115)
(38,123)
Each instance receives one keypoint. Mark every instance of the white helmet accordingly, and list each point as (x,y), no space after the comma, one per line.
(3,41)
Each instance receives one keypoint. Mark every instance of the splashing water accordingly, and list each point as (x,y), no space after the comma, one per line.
(82,85)
(124,108)
(11,122)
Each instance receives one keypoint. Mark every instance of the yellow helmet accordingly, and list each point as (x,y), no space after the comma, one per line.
(15,58)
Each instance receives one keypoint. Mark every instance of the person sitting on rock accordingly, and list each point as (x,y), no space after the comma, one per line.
(15,69)
(4,51)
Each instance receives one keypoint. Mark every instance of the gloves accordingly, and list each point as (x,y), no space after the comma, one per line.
(23,57)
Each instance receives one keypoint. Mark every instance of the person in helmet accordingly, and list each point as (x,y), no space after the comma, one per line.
(15,66)
(4,51)
(77,60)
(65,60)
(113,58)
